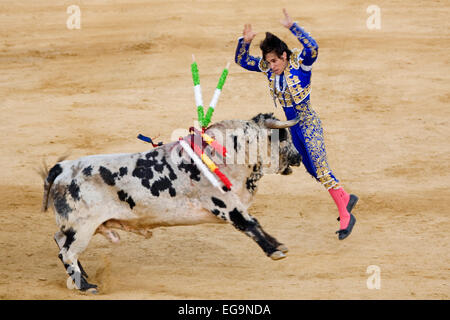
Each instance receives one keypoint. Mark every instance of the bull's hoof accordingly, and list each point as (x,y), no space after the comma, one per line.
(277,255)
(88,287)
(282,248)
(92,291)
(83,286)
(70,284)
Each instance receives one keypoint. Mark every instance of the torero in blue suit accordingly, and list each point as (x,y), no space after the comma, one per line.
(289,75)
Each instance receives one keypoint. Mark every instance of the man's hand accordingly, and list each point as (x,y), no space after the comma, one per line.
(248,33)
(287,20)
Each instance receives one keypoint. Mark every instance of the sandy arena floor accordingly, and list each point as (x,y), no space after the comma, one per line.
(383,97)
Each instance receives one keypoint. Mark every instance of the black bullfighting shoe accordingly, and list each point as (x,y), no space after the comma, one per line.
(344,233)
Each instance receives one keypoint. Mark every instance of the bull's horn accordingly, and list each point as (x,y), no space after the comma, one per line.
(277,124)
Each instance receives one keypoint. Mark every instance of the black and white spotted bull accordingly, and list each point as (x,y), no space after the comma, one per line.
(162,187)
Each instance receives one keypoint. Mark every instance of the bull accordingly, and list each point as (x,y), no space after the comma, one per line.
(137,192)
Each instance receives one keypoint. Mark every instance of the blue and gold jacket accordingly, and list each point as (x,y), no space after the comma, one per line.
(293,87)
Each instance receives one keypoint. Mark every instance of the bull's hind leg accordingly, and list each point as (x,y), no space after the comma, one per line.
(60,239)
(236,214)
(75,241)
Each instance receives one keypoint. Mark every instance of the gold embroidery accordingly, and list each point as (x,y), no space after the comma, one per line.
(298,33)
(311,127)
(295,93)
(284,98)
(263,65)
(299,96)
(294,58)
(304,108)
(241,54)
(295,79)
(272,82)
(244,52)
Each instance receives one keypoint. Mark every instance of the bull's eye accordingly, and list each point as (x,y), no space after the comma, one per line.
(283,134)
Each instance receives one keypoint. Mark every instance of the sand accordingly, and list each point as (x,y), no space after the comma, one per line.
(383,97)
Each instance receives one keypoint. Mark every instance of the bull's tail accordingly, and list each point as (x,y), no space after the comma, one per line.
(49,177)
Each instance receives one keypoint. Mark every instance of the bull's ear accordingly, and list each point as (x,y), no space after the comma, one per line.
(278,124)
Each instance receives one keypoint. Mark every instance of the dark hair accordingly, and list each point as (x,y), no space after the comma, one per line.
(273,43)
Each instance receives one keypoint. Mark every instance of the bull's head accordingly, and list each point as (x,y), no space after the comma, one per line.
(288,154)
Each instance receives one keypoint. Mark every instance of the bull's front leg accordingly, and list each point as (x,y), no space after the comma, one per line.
(237,215)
